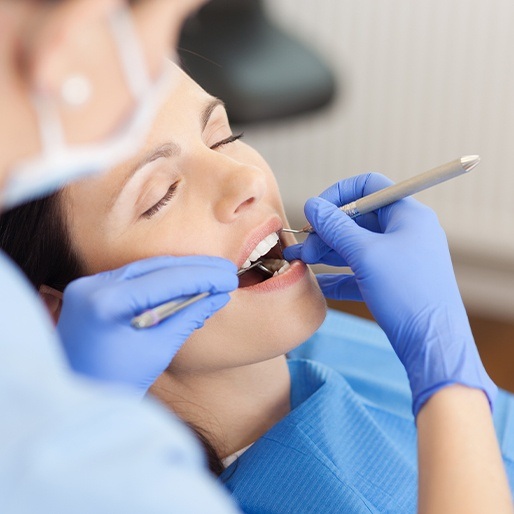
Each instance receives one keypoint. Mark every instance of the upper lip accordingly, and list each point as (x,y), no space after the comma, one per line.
(256,236)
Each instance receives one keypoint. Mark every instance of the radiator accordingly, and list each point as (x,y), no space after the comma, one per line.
(421,82)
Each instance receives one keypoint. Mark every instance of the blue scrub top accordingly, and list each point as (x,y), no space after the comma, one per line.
(70,446)
(349,442)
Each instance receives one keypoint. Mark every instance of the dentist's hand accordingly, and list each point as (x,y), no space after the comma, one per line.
(94,324)
(403,271)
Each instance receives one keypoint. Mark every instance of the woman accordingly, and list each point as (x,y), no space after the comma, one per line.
(294,436)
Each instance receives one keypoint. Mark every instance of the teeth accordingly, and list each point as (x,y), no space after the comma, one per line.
(261,249)
(285,266)
(273,264)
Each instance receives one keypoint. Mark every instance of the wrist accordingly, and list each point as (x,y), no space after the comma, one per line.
(453,397)
(460,464)
(440,374)
(444,364)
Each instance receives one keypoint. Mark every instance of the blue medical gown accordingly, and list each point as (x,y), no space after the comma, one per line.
(67,446)
(349,443)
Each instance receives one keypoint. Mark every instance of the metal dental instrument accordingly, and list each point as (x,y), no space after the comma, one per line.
(154,316)
(403,189)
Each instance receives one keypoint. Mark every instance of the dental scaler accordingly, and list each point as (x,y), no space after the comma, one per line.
(359,207)
(403,189)
(154,316)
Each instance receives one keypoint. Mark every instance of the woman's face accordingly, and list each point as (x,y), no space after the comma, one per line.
(197,189)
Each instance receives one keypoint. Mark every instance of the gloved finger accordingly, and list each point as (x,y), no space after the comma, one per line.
(293,252)
(321,254)
(336,228)
(369,222)
(189,319)
(385,218)
(405,213)
(141,293)
(313,249)
(346,190)
(144,266)
(339,286)
(331,258)
(164,340)
(353,188)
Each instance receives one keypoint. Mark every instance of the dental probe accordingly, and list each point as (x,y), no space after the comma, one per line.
(154,316)
(403,189)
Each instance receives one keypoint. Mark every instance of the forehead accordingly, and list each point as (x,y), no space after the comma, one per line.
(184,101)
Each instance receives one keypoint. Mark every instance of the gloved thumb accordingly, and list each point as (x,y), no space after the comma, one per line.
(335,227)
(293,252)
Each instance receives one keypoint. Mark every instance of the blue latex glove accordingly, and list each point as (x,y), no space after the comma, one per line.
(403,271)
(94,324)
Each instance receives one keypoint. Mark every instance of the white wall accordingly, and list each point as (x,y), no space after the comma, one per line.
(422,82)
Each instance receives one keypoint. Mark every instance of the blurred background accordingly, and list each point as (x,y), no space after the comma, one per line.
(397,87)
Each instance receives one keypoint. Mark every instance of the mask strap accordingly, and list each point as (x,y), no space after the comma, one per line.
(130,52)
(52,137)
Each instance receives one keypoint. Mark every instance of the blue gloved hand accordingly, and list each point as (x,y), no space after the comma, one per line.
(403,271)
(94,324)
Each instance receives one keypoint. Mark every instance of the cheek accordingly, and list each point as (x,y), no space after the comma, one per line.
(153,239)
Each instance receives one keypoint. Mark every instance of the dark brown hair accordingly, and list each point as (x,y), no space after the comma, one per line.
(35,236)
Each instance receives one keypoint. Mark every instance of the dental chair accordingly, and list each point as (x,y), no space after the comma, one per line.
(234,50)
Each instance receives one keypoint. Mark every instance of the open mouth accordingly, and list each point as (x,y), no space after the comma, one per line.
(269,252)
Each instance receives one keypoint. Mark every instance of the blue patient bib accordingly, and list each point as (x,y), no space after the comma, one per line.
(349,442)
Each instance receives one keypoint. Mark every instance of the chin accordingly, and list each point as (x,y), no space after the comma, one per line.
(307,316)
(256,325)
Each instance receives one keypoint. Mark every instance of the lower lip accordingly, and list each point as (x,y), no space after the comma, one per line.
(296,271)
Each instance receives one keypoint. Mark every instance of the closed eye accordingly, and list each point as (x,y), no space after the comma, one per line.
(227,140)
(152,211)
(171,190)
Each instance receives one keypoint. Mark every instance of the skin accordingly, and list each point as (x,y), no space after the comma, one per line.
(42,44)
(223,195)
(460,464)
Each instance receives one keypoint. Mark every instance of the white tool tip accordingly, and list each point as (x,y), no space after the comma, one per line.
(469,161)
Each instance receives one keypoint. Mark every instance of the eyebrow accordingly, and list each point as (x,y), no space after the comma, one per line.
(209,109)
(165,150)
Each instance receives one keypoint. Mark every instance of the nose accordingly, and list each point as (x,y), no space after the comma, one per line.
(237,187)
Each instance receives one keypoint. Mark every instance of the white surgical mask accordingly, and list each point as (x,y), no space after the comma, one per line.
(60,163)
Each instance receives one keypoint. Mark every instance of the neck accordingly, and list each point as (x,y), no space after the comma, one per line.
(233,407)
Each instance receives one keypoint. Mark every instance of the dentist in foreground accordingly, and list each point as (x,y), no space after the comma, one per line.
(81,83)
(74,76)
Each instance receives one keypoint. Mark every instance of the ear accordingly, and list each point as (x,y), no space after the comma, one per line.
(53,301)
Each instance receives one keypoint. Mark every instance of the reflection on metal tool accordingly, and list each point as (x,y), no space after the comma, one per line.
(157,314)
(403,189)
